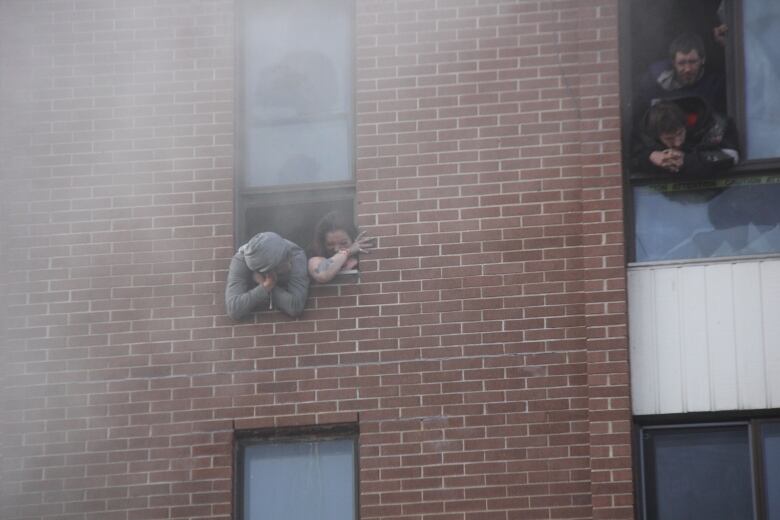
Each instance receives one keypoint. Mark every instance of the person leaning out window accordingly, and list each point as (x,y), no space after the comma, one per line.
(336,247)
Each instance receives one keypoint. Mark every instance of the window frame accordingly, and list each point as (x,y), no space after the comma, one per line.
(735,91)
(245,197)
(243,439)
(752,419)
(735,83)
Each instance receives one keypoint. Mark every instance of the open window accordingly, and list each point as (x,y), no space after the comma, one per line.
(727,213)
(295,116)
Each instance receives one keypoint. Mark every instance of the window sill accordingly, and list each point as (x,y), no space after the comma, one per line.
(744,169)
(708,261)
(346,277)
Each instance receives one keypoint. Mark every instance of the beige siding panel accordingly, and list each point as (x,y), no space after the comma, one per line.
(705,337)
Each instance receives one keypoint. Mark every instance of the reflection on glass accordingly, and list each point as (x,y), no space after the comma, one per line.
(761,29)
(770,433)
(297,92)
(300,480)
(705,219)
(698,473)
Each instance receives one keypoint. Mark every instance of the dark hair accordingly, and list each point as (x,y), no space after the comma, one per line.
(333,221)
(665,117)
(686,43)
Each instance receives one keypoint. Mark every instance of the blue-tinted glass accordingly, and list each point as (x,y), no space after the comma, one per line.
(761,38)
(697,473)
(771,451)
(707,218)
(300,481)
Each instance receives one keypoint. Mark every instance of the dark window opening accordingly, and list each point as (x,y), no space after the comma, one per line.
(294,214)
(721,470)
(696,70)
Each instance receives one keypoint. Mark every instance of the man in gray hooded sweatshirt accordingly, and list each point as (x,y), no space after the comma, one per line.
(267,272)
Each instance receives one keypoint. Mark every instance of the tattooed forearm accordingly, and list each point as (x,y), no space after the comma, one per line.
(324,265)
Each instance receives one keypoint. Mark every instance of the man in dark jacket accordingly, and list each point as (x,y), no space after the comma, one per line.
(684,74)
(684,137)
(267,272)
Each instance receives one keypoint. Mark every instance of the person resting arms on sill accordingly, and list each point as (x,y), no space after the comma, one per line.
(336,247)
(265,273)
(684,137)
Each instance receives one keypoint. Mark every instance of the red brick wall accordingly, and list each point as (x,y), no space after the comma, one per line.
(483,353)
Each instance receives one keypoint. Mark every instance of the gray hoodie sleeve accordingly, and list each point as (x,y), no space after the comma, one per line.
(292,299)
(242,295)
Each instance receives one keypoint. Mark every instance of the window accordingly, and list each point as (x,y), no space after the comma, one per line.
(295,124)
(708,218)
(297,474)
(718,471)
(725,214)
(760,31)
(770,463)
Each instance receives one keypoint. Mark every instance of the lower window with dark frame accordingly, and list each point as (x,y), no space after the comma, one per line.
(715,470)
(296,473)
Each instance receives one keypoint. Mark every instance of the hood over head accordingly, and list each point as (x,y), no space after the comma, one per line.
(264,251)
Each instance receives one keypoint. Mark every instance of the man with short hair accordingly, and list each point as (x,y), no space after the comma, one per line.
(685,137)
(265,273)
(684,74)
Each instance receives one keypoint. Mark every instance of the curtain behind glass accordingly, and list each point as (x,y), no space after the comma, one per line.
(761,29)
(297,92)
(300,481)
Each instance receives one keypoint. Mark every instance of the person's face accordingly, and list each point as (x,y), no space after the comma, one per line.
(335,240)
(673,139)
(687,67)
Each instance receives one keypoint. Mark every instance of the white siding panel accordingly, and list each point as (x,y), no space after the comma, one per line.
(748,338)
(720,336)
(667,311)
(644,370)
(770,303)
(705,337)
(695,354)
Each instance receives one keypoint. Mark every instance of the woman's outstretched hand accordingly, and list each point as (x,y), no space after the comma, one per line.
(362,244)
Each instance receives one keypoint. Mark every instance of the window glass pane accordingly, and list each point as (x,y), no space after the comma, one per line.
(771,437)
(761,31)
(698,473)
(297,153)
(300,481)
(708,218)
(297,91)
